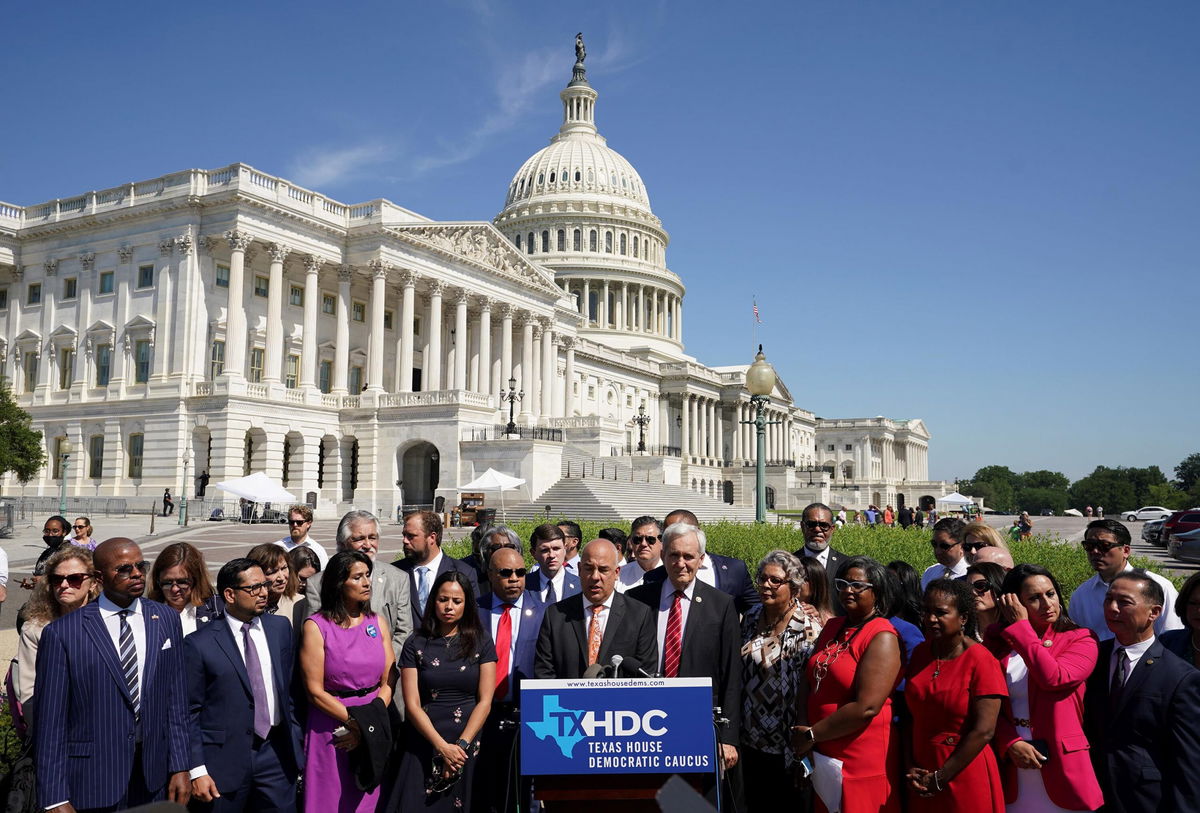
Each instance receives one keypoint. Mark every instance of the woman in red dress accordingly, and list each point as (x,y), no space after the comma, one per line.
(954,691)
(847,706)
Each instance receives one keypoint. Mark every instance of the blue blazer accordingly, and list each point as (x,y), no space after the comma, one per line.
(534,580)
(85,729)
(525,652)
(221,705)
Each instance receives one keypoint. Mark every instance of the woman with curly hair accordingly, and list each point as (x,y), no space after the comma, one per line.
(179,579)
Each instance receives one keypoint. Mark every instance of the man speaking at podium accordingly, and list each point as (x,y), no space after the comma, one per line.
(582,633)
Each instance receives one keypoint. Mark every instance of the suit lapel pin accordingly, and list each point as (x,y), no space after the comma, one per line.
(1149,661)
(528,612)
(699,599)
(154,618)
(1046,643)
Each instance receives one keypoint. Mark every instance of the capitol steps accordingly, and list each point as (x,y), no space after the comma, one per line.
(621,500)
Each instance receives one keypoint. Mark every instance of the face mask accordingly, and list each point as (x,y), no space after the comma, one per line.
(53,540)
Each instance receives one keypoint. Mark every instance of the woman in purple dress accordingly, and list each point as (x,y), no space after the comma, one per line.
(346,658)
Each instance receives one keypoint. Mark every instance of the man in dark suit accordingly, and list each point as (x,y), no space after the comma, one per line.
(424,561)
(112,727)
(1142,708)
(246,751)
(587,630)
(727,574)
(697,629)
(513,617)
(816,523)
(550,580)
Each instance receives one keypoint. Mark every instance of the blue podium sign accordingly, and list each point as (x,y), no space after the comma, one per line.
(620,726)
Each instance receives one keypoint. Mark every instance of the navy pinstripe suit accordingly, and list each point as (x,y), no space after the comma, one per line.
(85,727)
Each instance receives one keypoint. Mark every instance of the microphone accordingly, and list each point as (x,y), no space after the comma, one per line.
(631,666)
(616,665)
(596,670)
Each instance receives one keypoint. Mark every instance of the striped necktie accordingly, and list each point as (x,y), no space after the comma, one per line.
(129,662)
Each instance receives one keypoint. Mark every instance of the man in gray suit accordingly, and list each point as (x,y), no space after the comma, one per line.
(359,530)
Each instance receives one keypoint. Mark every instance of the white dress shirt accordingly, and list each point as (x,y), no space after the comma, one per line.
(559,581)
(940,571)
(587,615)
(514,615)
(820,556)
(431,575)
(666,599)
(1087,606)
(1134,652)
(706,573)
(287,544)
(188,619)
(631,575)
(137,625)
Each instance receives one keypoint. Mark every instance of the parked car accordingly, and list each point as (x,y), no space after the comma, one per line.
(1186,545)
(1178,523)
(1147,513)
(1152,531)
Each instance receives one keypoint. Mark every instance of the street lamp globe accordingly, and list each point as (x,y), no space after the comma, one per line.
(760,377)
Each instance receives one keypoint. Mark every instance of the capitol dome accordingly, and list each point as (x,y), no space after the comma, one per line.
(579,208)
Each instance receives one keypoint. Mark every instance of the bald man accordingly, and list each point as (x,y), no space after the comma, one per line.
(112,718)
(997,555)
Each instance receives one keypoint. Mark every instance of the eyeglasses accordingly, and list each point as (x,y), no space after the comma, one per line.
(75,580)
(79,527)
(945,546)
(981,587)
(125,571)
(973,546)
(509,572)
(1097,546)
(251,589)
(649,539)
(774,581)
(297,522)
(813,525)
(853,587)
(182,584)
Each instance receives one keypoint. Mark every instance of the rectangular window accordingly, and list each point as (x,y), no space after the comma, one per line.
(262,286)
(141,353)
(829,448)
(328,304)
(136,444)
(66,368)
(145,276)
(70,288)
(292,379)
(58,456)
(96,457)
(416,325)
(326,376)
(3,299)
(356,380)
(216,360)
(256,364)
(106,282)
(34,295)
(222,277)
(387,320)
(358,312)
(849,447)
(296,296)
(31,371)
(103,364)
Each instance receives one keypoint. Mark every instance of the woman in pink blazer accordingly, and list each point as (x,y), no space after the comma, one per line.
(1047,659)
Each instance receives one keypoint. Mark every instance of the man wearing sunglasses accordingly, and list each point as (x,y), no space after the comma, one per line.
(1107,544)
(816,523)
(645,542)
(948,550)
(300,520)
(513,616)
(111,701)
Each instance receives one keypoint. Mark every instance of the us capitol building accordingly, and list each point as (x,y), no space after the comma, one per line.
(363,352)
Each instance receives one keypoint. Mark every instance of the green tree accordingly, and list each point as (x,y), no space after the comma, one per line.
(1045,479)
(1167,496)
(1110,488)
(1187,473)
(21,449)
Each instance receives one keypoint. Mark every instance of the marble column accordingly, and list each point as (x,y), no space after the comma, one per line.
(273,357)
(506,345)
(308,339)
(460,332)
(719,423)
(587,303)
(529,384)
(408,283)
(485,345)
(548,371)
(379,271)
(712,429)
(432,376)
(341,348)
(235,313)
(702,427)
(164,301)
(619,308)
(603,309)
(569,377)
(685,430)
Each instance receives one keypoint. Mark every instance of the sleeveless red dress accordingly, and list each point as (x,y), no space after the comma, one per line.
(870,756)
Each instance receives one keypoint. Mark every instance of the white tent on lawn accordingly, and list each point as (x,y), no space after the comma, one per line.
(492,480)
(258,487)
(954,500)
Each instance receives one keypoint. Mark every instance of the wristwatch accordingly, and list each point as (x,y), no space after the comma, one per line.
(463,744)
(812,735)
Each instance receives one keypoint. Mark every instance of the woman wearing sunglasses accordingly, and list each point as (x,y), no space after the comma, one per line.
(977,535)
(82,528)
(986,580)
(70,583)
(1047,660)
(180,580)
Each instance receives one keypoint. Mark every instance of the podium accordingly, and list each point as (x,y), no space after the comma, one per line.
(598,745)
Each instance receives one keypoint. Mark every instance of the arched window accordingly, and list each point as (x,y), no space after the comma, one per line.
(635,246)
(608,242)
(562,240)
(577,240)
(529,245)
(624,244)
(552,176)
(578,176)
(541,178)
(592,240)
(518,241)
(591,177)
(545,242)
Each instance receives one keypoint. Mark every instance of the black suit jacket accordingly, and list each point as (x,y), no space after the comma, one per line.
(1146,746)
(562,645)
(836,557)
(732,578)
(221,705)
(711,647)
(448,563)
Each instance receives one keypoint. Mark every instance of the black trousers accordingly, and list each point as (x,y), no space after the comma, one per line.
(769,787)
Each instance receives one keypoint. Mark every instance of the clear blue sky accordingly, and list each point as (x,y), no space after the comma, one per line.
(983,214)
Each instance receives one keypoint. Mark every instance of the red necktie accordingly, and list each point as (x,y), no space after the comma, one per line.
(503,654)
(673,643)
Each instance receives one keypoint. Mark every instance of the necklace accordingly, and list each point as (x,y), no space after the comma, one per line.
(938,663)
(833,650)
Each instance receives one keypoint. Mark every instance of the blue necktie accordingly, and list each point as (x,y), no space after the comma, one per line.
(422,586)
(550,598)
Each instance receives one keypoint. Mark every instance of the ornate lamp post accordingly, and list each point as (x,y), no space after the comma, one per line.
(641,420)
(760,381)
(513,398)
(65,449)
(187,459)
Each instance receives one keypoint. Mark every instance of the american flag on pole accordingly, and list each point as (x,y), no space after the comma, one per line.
(757,321)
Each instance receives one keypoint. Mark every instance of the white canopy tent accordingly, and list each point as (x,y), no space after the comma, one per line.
(954,500)
(492,480)
(257,487)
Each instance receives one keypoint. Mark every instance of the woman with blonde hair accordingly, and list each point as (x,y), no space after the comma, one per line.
(83,530)
(180,580)
(978,535)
